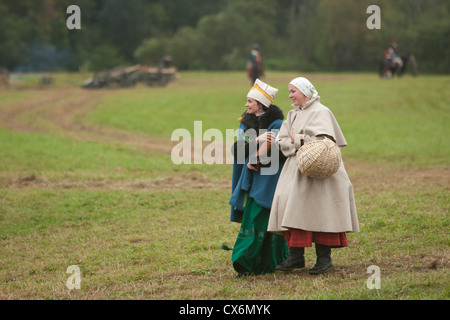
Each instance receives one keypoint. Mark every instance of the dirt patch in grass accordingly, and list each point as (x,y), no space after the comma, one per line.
(379,178)
(366,178)
(193,181)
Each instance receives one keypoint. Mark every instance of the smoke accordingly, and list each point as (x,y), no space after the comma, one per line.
(45,58)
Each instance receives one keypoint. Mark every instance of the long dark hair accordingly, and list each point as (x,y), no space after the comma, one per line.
(262,106)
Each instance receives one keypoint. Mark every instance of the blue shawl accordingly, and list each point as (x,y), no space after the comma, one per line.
(248,183)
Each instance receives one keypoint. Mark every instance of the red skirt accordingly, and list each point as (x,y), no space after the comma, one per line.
(303,238)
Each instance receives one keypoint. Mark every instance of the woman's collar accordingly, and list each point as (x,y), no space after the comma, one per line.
(307,104)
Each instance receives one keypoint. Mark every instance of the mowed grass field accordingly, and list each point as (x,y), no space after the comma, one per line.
(87,180)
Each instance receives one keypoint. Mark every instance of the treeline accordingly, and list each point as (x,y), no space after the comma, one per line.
(307,35)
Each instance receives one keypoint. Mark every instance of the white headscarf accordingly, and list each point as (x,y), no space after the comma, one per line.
(305,86)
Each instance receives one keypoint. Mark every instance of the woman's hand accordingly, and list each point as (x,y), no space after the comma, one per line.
(251,167)
(293,135)
(268,136)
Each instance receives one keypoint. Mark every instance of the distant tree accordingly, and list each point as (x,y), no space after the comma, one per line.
(105,57)
(13,46)
(150,51)
(304,35)
(123,24)
(184,48)
(222,40)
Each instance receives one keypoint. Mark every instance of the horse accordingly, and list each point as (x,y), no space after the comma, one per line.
(389,67)
(409,61)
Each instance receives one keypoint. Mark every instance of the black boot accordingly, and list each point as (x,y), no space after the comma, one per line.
(323,263)
(295,260)
(241,271)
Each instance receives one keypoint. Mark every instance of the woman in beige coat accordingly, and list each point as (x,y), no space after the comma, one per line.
(306,209)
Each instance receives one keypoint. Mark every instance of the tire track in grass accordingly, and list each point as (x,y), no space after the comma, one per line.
(63,113)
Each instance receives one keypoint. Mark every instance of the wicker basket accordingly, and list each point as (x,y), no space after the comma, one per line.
(319,159)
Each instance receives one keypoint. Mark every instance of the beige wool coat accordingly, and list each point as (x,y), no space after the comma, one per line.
(301,202)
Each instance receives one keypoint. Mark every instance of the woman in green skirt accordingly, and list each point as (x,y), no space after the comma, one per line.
(257,166)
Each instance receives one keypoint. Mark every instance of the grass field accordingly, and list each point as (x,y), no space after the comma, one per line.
(86,179)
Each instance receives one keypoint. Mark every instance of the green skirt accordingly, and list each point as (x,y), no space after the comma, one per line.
(257,251)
